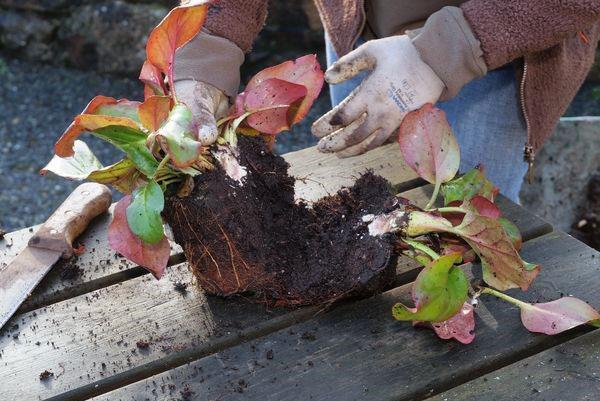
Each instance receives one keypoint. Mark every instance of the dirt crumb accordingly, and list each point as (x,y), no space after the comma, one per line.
(46,375)
(142,344)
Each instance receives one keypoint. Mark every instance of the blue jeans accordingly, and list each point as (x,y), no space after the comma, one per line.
(486,119)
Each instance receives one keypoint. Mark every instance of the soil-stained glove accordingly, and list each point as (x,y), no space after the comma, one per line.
(399,82)
(207,103)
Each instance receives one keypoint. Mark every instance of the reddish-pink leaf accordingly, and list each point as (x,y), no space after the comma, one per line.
(485,207)
(154,84)
(460,326)
(304,71)
(273,103)
(428,144)
(153,257)
(154,111)
(179,26)
(88,120)
(556,316)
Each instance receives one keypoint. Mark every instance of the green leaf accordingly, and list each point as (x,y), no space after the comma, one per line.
(123,176)
(133,143)
(143,214)
(123,108)
(177,137)
(76,167)
(439,292)
(467,186)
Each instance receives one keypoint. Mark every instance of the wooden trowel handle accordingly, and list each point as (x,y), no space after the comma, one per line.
(71,218)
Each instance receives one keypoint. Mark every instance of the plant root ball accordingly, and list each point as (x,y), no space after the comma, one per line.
(255,238)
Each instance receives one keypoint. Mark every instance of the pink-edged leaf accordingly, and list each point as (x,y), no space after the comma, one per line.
(460,327)
(179,26)
(557,316)
(153,257)
(485,207)
(428,144)
(154,83)
(154,111)
(502,266)
(88,122)
(304,71)
(273,103)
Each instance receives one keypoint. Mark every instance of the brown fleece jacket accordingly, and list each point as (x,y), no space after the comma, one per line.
(555,38)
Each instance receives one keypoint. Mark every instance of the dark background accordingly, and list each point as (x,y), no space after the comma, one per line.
(55,55)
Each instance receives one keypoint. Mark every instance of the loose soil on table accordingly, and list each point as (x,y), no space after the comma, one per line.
(253,237)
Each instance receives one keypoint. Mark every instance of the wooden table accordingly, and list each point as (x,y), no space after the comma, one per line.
(106,329)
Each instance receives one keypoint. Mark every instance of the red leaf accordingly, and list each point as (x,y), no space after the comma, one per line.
(485,207)
(153,257)
(428,144)
(175,30)
(154,111)
(304,71)
(274,104)
(152,78)
(88,120)
(460,326)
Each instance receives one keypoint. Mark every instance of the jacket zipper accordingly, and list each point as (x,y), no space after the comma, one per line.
(528,151)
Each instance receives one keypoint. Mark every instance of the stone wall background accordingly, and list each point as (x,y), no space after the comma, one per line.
(109,36)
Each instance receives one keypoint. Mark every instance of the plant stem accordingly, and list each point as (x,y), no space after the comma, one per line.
(422,247)
(451,209)
(162,164)
(434,195)
(504,297)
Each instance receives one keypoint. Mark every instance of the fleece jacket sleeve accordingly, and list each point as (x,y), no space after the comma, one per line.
(510,29)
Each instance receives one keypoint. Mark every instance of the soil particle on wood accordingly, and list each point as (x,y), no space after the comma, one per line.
(256,238)
(46,375)
(180,287)
(142,344)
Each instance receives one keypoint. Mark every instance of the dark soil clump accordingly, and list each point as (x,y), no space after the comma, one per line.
(255,238)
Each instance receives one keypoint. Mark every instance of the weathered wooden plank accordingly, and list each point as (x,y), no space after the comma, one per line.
(566,372)
(529,224)
(358,352)
(321,174)
(88,342)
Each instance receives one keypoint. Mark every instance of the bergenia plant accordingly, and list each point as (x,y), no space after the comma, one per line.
(162,155)
(159,135)
(468,225)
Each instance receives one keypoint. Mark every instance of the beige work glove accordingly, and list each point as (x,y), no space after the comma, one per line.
(207,104)
(399,82)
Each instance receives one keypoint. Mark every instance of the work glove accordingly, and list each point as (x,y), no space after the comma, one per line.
(207,104)
(399,82)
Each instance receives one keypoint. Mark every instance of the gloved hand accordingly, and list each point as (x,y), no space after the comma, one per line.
(400,82)
(207,103)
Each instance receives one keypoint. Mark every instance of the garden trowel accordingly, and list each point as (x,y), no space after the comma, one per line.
(53,240)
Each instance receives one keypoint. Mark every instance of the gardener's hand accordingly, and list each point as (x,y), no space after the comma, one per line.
(207,103)
(399,83)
